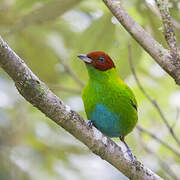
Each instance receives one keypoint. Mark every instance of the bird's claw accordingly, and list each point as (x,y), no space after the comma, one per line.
(129,152)
(90,124)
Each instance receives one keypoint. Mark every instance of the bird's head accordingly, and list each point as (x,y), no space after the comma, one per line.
(98,59)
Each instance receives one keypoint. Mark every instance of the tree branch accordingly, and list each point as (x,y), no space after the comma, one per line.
(168,25)
(37,93)
(143,130)
(65,89)
(165,165)
(151,100)
(70,72)
(156,12)
(47,12)
(167,60)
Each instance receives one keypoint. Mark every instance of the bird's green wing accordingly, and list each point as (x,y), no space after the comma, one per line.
(132,97)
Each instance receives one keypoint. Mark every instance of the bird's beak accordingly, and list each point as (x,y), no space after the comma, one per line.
(85,58)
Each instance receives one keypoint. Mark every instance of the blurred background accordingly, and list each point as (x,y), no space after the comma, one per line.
(47,35)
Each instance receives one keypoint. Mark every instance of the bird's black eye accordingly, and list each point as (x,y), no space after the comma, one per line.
(101,59)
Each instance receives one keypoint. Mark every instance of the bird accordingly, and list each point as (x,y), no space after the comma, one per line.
(110,104)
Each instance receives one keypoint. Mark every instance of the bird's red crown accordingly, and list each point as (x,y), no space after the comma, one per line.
(101,60)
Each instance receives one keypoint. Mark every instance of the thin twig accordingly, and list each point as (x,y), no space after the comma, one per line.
(165,166)
(62,60)
(70,72)
(45,13)
(168,25)
(153,102)
(177,118)
(65,89)
(141,129)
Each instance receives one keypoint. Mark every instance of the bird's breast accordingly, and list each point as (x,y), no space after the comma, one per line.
(106,121)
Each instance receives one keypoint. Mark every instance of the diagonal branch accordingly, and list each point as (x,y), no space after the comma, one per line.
(143,130)
(170,63)
(64,89)
(70,72)
(165,165)
(155,11)
(37,93)
(168,25)
(45,13)
(152,101)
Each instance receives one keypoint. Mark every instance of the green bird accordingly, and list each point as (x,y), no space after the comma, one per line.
(109,103)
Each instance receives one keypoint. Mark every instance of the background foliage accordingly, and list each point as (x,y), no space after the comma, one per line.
(48,34)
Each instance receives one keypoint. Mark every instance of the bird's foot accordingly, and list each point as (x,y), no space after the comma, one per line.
(130,154)
(90,124)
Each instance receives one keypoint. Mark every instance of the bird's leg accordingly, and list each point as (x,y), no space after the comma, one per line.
(90,124)
(128,149)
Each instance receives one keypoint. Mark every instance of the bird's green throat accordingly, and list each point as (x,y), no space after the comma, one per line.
(102,76)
